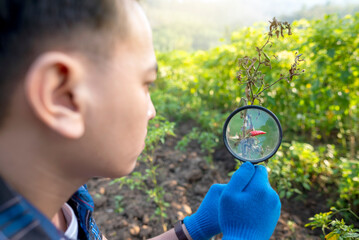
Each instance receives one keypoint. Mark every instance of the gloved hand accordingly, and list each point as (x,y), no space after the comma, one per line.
(203,224)
(249,208)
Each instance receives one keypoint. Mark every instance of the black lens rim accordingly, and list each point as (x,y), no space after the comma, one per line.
(252,107)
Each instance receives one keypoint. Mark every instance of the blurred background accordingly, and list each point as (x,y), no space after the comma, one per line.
(201,24)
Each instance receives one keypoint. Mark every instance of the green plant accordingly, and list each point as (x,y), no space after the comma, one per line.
(136,181)
(337,228)
(349,184)
(318,111)
(207,140)
(298,166)
(320,105)
(157,195)
(118,204)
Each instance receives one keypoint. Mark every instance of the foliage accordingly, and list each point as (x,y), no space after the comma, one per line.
(320,106)
(349,184)
(298,166)
(159,128)
(118,204)
(207,140)
(337,228)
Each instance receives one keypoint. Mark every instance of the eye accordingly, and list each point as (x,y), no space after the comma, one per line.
(150,84)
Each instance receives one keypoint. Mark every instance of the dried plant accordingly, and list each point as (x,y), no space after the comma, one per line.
(250,72)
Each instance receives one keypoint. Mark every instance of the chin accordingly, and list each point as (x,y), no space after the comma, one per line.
(131,168)
(122,170)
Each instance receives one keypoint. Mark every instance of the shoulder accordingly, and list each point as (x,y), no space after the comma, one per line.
(83,206)
(21,220)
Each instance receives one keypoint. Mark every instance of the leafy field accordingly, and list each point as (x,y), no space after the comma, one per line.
(319,113)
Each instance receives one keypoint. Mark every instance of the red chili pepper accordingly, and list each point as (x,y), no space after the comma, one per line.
(255,133)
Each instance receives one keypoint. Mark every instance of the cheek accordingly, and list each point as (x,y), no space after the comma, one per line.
(133,107)
(118,134)
(129,116)
(116,122)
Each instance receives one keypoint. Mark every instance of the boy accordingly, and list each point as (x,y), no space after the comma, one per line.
(75,104)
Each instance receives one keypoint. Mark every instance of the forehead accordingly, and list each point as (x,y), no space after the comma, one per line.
(139,27)
(138,41)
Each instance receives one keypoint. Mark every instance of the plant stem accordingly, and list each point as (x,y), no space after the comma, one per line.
(352,212)
(157,198)
(258,93)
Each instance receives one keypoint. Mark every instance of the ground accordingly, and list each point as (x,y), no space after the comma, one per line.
(122,213)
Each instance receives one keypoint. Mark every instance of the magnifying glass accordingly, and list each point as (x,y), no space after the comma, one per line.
(252,133)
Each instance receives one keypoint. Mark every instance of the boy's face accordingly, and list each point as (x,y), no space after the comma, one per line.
(120,105)
(86,115)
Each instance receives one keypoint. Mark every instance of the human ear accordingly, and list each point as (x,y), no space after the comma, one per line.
(55,91)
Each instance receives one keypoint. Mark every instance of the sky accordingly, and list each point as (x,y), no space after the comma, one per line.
(243,11)
(283,6)
(179,19)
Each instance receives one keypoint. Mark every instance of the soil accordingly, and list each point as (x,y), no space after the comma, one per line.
(125,213)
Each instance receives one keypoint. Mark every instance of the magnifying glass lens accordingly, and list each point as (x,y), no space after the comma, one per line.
(252,133)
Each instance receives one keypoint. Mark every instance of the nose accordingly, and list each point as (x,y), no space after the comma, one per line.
(151,110)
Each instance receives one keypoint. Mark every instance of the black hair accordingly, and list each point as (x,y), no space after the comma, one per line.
(30,27)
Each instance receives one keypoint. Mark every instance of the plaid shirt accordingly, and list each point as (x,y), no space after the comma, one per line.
(19,220)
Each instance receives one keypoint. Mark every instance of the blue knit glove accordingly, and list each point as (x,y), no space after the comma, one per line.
(203,224)
(249,208)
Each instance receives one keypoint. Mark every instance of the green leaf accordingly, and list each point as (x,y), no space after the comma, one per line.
(306,186)
(351,235)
